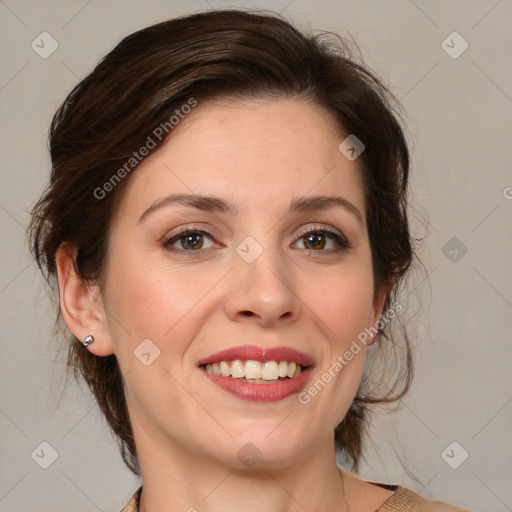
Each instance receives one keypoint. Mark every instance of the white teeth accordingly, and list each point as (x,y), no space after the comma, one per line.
(283,368)
(237,369)
(225,370)
(269,371)
(252,370)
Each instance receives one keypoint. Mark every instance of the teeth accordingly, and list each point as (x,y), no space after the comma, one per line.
(269,371)
(252,370)
(237,369)
(291,369)
(283,368)
(225,370)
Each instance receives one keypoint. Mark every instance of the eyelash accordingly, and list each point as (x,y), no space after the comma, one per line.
(341,241)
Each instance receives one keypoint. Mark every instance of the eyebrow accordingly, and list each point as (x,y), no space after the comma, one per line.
(216,204)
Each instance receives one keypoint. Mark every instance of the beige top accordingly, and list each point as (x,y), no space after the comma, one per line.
(402,500)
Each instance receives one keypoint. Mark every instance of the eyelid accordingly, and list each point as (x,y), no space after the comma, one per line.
(172,237)
(182,230)
(339,238)
(320,227)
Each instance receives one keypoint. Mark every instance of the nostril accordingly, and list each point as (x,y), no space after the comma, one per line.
(247,313)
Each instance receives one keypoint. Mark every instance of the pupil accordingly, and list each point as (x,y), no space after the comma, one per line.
(193,241)
(316,241)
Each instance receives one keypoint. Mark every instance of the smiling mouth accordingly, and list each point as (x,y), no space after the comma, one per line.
(256,372)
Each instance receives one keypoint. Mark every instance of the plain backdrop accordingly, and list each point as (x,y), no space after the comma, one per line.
(453,430)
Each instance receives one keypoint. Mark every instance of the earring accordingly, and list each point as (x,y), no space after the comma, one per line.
(87,341)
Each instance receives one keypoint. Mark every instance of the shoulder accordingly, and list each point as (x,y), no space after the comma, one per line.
(389,498)
(408,501)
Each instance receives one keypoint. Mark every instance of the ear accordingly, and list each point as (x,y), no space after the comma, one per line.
(378,306)
(81,304)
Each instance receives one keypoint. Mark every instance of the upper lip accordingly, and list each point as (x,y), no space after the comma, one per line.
(261,354)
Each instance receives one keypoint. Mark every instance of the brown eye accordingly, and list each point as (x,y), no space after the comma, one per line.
(189,241)
(322,241)
(314,241)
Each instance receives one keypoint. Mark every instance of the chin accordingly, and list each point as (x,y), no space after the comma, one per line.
(260,451)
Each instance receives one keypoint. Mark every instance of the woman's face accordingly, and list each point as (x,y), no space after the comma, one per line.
(276,257)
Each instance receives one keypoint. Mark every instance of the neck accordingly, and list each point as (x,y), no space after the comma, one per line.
(176,480)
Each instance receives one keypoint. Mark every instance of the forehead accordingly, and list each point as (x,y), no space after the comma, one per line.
(278,149)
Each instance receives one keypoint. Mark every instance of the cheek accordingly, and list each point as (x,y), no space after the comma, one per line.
(163,304)
(343,304)
(342,310)
(155,301)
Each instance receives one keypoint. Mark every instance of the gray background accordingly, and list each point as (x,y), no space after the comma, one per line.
(459,119)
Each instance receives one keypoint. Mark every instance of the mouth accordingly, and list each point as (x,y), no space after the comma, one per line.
(261,375)
(256,372)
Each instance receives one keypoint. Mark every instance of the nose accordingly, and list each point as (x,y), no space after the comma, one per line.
(262,292)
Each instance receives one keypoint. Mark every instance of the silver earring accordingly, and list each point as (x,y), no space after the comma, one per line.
(87,341)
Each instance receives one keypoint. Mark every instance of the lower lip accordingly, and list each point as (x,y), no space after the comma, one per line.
(260,392)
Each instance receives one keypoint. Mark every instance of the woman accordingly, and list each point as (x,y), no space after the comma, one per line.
(226,219)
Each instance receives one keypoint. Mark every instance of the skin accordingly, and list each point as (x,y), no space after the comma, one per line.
(188,432)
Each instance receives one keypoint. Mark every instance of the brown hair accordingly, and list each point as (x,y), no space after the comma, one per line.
(206,56)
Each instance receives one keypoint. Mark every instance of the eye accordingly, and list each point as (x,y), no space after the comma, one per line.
(189,240)
(322,240)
